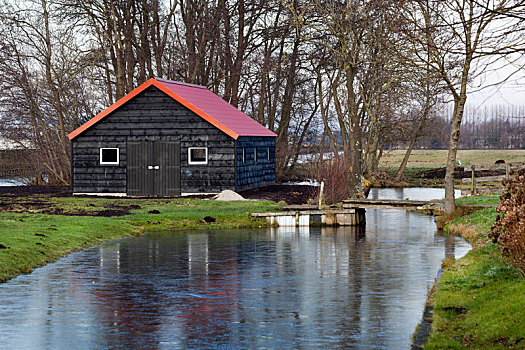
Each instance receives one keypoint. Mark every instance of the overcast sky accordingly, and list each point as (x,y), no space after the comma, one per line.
(511,91)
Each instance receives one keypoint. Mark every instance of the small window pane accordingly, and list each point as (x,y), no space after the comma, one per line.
(255,155)
(244,155)
(198,155)
(109,156)
(268,153)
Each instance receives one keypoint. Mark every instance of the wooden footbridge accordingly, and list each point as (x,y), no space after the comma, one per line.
(310,216)
(350,212)
(388,204)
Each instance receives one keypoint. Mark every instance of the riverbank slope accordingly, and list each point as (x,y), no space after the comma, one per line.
(479,300)
(36,229)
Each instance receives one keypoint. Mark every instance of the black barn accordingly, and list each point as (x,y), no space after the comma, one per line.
(167,138)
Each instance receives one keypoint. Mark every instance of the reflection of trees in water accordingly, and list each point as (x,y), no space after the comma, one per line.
(450,247)
(349,285)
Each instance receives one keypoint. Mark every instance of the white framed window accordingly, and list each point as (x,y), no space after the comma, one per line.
(198,155)
(109,156)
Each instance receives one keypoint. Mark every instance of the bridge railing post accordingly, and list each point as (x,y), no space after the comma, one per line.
(473,188)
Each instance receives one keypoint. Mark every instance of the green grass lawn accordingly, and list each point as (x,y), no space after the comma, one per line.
(490,198)
(31,239)
(479,301)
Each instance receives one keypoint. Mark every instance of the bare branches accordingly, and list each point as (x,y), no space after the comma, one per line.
(363,74)
(459,36)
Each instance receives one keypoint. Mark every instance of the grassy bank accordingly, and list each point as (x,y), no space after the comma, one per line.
(30,236)
(421,160)
(479,301)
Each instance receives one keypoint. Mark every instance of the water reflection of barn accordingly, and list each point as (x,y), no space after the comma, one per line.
(195,286)
(178,287)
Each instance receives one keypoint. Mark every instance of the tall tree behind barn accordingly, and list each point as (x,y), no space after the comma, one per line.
(101,50)
(44,85)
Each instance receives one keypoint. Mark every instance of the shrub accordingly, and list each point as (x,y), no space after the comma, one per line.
(334,173)
(509,228)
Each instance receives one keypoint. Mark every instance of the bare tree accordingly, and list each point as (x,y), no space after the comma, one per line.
(359,37)
(463,38)
(43,72)
(128,39)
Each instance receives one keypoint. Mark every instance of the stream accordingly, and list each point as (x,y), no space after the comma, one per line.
(308,288)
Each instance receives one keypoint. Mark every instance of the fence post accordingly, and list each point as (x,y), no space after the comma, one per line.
(507,171)
(321,195)
(473,189)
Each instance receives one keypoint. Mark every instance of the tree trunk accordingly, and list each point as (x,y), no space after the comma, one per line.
(286,111)
(356,185)
(413,138)
(455,124)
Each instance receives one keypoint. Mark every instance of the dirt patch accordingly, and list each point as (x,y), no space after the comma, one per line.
(290,194)
(456,309)
(123,207)
(105,212)
(209,219)
(507,342)
(459,173)
(44,208)
(15,191)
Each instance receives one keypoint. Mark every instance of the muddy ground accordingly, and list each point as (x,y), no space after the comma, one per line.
(290,194)
(36,199)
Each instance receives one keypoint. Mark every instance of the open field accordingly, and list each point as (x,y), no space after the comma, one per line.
(438,158)
(479,299)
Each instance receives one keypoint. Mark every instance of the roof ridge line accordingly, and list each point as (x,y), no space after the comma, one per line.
(180,83)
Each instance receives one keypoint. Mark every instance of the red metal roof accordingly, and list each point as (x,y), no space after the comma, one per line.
(198,99)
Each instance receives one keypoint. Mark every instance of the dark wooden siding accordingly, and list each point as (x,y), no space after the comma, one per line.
(153,116)
(254,173)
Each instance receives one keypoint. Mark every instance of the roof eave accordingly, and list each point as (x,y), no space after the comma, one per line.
(159,85)
(110,109)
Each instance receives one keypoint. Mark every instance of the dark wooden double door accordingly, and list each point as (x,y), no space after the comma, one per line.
(153,168)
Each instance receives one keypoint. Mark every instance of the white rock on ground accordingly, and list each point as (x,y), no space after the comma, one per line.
(228,195)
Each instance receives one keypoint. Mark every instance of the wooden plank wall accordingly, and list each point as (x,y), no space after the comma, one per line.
(153,116)
(255,173)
